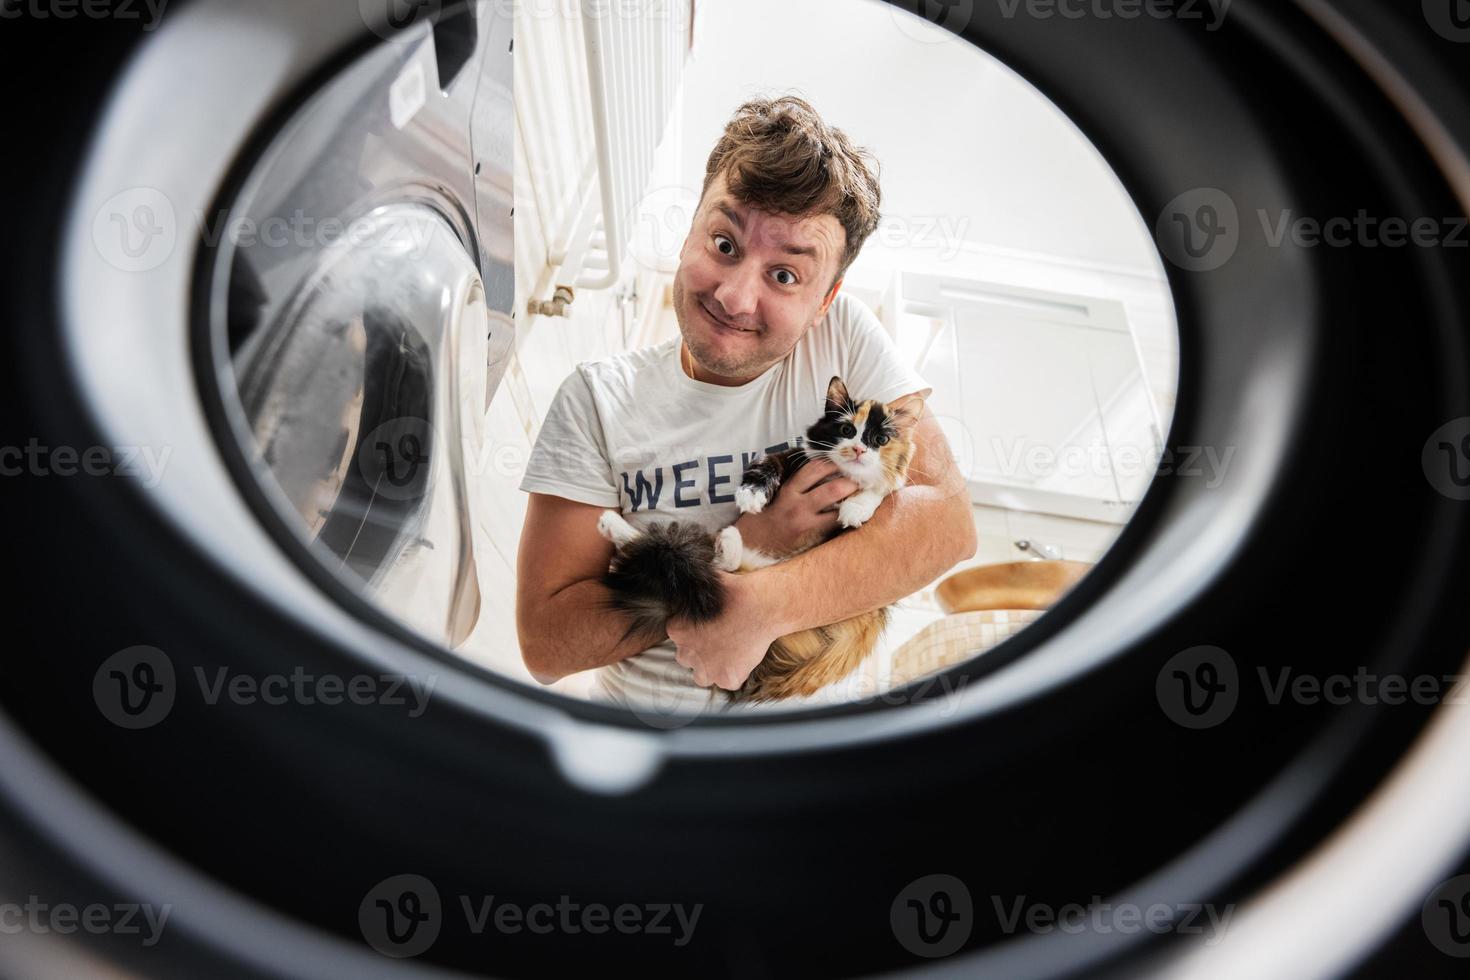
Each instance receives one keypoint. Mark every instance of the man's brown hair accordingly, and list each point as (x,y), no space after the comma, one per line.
(778,155)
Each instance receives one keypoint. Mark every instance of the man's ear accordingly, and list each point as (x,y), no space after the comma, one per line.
(831,295)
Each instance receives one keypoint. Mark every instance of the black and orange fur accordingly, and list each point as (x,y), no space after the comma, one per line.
(671,569)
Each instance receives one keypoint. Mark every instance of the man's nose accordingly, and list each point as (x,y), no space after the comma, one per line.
(738,293)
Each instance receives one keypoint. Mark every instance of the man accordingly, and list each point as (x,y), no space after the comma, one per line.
(664,433)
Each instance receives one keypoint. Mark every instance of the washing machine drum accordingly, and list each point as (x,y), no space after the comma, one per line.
(311,387)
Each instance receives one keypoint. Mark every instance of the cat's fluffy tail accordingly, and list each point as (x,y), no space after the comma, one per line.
(669,570)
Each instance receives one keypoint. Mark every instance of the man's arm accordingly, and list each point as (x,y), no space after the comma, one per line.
(917,533)
(561,621)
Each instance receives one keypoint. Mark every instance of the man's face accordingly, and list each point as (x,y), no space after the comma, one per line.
(751,282)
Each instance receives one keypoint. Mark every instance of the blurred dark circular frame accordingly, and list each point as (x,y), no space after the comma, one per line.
(1055,774)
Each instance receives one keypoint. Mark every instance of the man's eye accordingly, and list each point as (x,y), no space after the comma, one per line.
(848,431)
(790,279)
(724,244)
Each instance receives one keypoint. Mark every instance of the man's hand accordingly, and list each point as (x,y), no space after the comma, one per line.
(804,508)
(724,651)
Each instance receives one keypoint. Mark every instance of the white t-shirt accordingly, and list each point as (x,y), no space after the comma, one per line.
(634,432)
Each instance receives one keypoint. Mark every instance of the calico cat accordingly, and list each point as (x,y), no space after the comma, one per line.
(670,569)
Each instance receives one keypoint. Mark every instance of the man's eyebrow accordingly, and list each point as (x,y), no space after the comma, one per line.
(729,212)
(739,222)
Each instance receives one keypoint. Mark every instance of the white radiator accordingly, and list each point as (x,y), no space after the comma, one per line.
(594,88)
(635,58)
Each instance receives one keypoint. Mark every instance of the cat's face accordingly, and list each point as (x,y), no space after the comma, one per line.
(868,440)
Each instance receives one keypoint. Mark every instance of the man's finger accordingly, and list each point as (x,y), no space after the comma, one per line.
(811,473)
(830,493)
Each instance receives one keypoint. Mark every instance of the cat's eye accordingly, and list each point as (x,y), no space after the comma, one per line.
(847,430)
(881,440)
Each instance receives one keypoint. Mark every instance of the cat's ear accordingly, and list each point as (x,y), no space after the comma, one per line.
(837,398)
(905,414)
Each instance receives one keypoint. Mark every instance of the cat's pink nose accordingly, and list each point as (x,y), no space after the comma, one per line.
(857,452)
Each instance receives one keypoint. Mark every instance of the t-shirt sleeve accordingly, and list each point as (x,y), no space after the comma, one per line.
(569,458)
(875,368)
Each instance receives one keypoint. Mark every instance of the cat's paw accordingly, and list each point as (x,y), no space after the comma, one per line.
(612,527)
(855,510)
(729,549)
(750,500)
